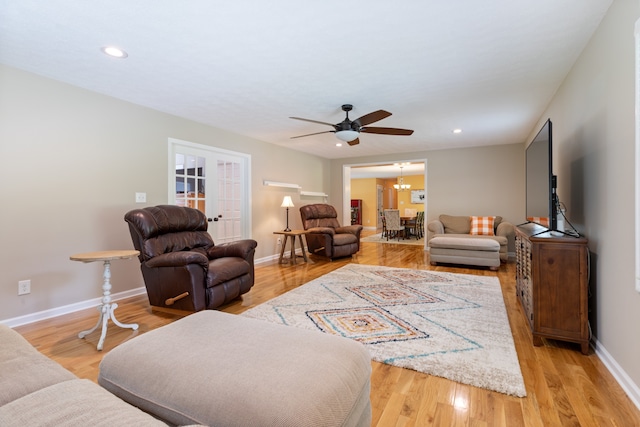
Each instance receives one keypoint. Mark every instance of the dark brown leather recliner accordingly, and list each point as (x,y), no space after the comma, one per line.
(325,235)
(182,268)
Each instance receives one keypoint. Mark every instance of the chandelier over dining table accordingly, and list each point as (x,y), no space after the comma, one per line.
(401,186)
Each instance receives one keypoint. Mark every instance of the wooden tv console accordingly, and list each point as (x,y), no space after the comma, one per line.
(552,284)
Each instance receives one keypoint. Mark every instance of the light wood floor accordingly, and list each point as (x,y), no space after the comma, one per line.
(564,387)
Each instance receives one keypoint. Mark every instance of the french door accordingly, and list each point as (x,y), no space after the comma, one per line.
(214,181)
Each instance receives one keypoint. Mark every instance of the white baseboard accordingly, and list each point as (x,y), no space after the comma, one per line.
(70,308)
(82,305)
(266,259)
(618,373)
(273,257)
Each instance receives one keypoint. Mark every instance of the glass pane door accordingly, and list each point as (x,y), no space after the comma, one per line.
(191,181)
(215,182)
(229,200)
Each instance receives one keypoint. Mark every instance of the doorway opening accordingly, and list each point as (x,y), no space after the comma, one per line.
(382,170)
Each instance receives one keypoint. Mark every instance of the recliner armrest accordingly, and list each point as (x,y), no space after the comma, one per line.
(322,230)
(178,259)
(239,248)
(353,229)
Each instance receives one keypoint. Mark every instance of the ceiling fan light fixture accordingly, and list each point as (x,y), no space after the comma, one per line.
(349,130)
(347,135)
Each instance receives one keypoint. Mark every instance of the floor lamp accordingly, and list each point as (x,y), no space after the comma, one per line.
(287,203)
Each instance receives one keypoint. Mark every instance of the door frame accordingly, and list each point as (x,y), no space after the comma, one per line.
(245,159)
(379,205)
(346,185)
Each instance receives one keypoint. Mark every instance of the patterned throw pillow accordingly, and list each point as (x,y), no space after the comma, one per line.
(482,225)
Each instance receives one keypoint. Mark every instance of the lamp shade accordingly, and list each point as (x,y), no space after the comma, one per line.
(347,135)
(402,186)
(287,202)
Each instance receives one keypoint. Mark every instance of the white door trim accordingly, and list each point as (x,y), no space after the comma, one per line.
(346,185)
(244,158)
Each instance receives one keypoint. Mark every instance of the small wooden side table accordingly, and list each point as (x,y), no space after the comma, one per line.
(106,308)
(291,235)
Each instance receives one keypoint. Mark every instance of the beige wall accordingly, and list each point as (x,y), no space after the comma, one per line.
(593,135)
(72,162)
(470,181)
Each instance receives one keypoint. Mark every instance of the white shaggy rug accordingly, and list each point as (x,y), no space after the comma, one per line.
(449,325)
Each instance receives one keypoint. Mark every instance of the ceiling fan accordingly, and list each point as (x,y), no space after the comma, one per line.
(349,131)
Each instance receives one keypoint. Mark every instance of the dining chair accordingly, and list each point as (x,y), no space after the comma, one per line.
(418,229)
(394,225)
(410,212)
(384,225)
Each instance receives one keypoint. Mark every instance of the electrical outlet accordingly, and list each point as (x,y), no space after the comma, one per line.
(279,240)
(24,287)
(141,197)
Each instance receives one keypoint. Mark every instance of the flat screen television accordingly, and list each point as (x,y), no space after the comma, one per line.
(540,181)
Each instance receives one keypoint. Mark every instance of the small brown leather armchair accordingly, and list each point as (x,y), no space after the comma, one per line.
(326,237)
(182,268)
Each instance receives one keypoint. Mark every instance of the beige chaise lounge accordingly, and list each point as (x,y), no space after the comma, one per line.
(220,369)
(454,239)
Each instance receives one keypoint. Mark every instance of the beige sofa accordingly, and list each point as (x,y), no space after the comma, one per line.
(209,368)
(466,248)
(36,391)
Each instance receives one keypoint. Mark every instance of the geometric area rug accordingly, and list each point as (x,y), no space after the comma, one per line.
(444,324)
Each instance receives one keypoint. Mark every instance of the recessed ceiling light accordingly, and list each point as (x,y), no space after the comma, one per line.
(338,144)
(114,52)
(457,131)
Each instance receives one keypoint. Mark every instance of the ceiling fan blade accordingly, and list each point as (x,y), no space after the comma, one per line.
(313,121)
(354,142)
(316,133)
(387,131)
(372,117)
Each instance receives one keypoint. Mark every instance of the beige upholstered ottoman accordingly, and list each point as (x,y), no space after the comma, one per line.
(221,369)
(465,250)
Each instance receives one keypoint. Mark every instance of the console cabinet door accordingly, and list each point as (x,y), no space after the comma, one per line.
(560,274)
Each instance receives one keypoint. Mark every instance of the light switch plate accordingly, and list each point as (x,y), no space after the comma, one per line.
(141,197)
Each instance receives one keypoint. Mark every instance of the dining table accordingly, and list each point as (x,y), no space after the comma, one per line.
(409,223)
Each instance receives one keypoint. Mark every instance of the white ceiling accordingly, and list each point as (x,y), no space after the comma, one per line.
(488,67)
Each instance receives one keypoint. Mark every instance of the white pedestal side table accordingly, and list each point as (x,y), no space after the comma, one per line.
(107,307)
